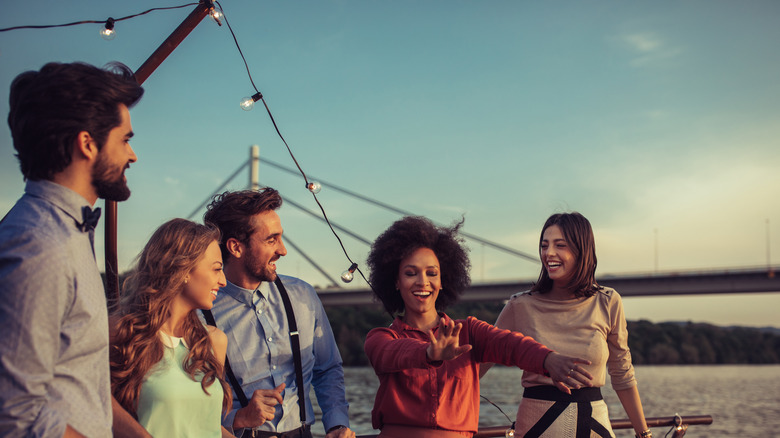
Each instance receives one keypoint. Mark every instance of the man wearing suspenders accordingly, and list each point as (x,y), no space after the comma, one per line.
(280,342)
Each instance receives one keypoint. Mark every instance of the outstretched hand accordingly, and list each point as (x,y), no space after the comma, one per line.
(565,372)
(445,343)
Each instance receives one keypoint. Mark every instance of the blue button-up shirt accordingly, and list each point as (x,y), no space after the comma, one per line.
(54,345)
(260,352)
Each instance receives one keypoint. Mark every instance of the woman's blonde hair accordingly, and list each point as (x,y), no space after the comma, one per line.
(158,277)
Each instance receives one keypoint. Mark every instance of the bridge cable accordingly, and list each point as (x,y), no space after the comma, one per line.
(404,212)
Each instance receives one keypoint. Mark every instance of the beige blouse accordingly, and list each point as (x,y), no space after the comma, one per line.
(592,328)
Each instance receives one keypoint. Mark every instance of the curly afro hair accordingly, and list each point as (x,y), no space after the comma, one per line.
(403,238)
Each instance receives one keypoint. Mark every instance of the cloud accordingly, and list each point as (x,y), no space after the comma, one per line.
(647,48)
(643,42)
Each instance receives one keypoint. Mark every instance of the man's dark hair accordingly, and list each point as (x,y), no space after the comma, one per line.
(403,238)
(232,213)
(48,108)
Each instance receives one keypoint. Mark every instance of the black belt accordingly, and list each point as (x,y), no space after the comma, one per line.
(301,432)
(552,393)
(583,397)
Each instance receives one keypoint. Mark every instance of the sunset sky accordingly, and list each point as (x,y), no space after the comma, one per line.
(659,121)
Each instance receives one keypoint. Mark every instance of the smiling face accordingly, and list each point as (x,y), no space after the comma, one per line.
(264,247)
(115,156)
(557,256)
(203,282)
(419,281)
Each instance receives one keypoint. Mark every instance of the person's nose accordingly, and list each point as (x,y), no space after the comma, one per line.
(133,157)
(282,250)
(222,281)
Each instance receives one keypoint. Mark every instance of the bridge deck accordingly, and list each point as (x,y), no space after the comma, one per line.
(747,280)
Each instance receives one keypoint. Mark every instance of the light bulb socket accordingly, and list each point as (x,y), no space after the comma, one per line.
(110,23)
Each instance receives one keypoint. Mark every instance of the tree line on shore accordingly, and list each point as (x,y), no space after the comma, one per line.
(668,343)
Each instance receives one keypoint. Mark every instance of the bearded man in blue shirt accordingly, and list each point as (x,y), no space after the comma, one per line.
(264,317)
(71,129)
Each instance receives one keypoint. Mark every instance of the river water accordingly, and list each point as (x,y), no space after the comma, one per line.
(744,400)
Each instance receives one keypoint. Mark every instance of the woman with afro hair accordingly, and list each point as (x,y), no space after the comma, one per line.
(428,364)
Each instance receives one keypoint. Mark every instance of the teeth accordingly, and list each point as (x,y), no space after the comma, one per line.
(214,293)
(421,294)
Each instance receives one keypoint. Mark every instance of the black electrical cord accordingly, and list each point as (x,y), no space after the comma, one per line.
(75,23)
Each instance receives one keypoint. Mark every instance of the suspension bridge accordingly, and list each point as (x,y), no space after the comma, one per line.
(756,279)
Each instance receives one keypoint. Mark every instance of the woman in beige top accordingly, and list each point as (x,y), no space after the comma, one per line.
(568,311)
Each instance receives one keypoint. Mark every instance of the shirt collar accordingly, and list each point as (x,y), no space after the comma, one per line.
(172,341)
(246,295)
(60,196)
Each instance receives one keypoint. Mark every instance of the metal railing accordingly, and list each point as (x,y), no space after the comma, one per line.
(679,423)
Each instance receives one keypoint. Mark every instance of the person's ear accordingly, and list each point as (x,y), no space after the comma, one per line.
(86,146)
(234,247)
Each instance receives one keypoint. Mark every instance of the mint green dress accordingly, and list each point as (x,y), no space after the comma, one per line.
(172,405)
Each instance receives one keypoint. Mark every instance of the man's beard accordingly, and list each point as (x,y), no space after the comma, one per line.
(109,181)
(261,272)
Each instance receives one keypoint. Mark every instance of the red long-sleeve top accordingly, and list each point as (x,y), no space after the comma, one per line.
(443,394)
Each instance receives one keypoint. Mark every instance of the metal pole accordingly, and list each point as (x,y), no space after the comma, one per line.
(254,168)
(143,73)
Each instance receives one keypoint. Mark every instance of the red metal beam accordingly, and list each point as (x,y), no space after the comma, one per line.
(141,75)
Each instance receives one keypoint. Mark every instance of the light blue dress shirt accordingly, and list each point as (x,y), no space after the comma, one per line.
(260,352)
(54,344)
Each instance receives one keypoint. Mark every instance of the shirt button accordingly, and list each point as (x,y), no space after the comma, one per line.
(273,367)
(433,415)
(259,311)
(270,339)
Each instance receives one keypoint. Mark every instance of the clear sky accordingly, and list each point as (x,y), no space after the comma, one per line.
(659,121)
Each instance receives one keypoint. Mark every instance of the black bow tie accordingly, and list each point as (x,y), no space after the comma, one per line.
(91,218)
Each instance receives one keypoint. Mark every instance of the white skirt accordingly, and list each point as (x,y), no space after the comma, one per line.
(538,418)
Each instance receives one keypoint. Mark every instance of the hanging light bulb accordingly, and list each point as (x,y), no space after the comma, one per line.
(216,15)
(108,33)
(248,103)
(510,433)
(348,275)
(314,187)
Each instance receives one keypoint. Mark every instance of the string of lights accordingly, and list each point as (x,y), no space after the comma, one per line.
(217,14)
(107,32)
(314,187)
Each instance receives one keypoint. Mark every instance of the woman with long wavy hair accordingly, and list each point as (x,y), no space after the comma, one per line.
(166,366)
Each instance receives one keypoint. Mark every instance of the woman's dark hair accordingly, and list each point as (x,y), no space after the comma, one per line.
(579,236)
(232,213)
(48,108)
(402,239)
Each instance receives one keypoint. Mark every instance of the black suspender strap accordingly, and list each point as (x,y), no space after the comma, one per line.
(296,351)
(296,347)
(229,371)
